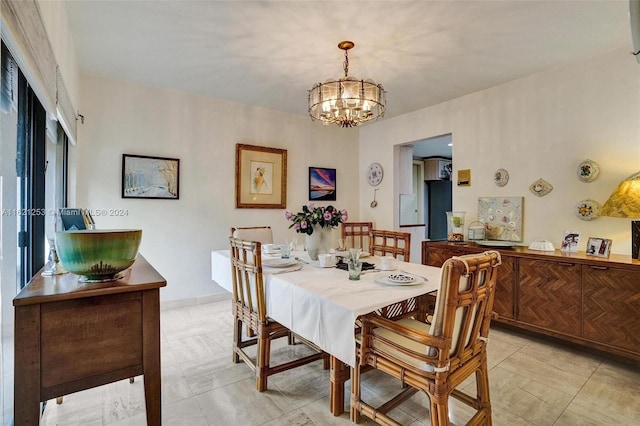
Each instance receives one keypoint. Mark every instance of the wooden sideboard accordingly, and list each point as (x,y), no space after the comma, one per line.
(590,301)
(71,336)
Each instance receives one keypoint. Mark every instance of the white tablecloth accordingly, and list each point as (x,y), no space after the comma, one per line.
(322,304)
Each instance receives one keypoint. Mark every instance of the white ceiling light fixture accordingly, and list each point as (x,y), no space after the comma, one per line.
(347,101)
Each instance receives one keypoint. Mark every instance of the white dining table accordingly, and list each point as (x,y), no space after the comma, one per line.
(322,304)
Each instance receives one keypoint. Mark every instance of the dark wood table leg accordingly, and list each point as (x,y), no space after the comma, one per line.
(151,356)
(26,381)
(339,374)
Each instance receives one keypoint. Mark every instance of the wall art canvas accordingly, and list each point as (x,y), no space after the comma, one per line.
(322,184)
(502,217)
(150,177)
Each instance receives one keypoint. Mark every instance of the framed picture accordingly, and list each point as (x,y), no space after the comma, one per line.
(150,177)
(72,219)
(502,217)
(570,241)
(261,177)
(322,184)
(599,247)
(445,168)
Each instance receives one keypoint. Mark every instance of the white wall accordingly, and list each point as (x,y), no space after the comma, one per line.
(541,126)
(178,236)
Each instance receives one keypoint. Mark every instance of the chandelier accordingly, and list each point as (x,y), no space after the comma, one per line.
(347,101)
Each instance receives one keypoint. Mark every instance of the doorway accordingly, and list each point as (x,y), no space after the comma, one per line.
(436,185)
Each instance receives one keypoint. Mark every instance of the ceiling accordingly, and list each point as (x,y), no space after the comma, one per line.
(440,146)
(269,53)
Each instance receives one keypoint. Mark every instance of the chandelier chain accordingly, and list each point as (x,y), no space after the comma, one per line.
(345,64)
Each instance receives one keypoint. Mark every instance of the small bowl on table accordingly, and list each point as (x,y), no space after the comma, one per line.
(98,255)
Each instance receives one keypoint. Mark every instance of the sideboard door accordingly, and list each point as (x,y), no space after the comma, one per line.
(612,306)
(549,295)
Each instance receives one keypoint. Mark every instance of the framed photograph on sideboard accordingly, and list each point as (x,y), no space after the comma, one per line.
(570,241)
(599,247)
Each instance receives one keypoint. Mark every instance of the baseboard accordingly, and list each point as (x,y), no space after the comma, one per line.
(195,301)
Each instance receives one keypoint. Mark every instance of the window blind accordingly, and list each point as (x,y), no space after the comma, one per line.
(9,81)
(24,33)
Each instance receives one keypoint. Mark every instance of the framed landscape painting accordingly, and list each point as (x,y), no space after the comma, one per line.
(150,177)
(261,177)
(322,184)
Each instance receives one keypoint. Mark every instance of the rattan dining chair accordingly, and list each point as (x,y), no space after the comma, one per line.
(262,234)
(435,358)
(356,234)
(397,244)
(249,308)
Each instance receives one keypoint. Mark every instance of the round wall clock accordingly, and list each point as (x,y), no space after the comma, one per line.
(374,174)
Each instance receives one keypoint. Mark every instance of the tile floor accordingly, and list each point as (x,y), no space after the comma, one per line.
(532,382)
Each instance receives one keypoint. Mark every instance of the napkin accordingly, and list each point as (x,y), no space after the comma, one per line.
(365,265)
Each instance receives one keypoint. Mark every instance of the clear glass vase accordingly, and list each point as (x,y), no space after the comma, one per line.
(455,226)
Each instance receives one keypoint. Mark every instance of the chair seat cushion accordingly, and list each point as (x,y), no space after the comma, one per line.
(404,342)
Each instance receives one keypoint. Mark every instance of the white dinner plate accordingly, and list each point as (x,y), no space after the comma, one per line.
(401,278)
(278,263)
(365,254)
(496,243)
(383,278)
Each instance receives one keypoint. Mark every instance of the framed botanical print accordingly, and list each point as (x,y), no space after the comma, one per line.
(261,177)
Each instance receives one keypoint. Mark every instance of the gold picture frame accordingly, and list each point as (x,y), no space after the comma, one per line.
(261,177)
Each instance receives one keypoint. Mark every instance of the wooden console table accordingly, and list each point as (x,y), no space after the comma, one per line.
(71,336)
(586,300)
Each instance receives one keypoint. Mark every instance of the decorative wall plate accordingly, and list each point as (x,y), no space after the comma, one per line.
(588,171)
(374,174)
(501,177)
(540,188)
(588,209)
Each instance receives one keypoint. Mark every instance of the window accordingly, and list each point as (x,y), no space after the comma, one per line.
(30,170)
(33,163)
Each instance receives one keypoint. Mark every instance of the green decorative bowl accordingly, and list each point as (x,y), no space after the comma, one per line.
(98,255)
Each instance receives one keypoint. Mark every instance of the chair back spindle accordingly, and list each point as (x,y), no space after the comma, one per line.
(246,274)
